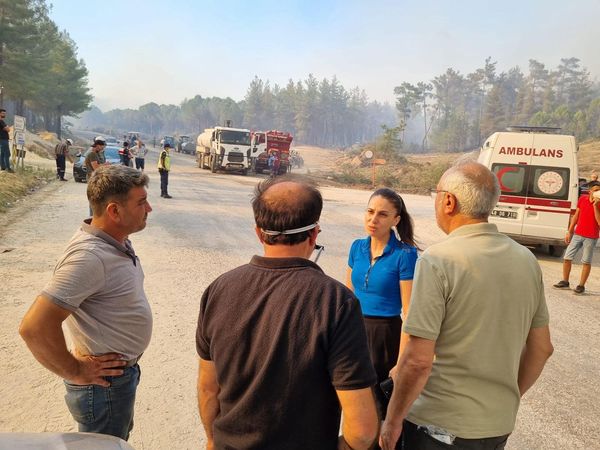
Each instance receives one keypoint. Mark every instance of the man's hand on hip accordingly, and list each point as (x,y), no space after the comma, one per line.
(93,369)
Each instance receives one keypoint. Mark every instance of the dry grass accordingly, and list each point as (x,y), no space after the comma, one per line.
(14,186)
(419,173)
(588,158)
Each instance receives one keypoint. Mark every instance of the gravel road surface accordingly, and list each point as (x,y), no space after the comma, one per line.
(207,229)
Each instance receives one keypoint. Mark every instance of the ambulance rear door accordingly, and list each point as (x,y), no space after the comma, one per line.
(552,186)
(510,163)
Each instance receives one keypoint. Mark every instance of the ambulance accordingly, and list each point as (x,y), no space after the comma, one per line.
(537,171)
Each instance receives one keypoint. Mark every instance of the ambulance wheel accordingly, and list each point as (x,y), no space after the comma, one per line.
(556,250)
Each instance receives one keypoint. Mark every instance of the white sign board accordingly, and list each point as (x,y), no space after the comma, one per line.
(20,138)
(19,123)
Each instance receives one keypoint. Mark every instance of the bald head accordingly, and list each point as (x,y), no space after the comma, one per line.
(475,187)
(286,203)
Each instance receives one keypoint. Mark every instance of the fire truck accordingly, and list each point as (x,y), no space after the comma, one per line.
(264,144)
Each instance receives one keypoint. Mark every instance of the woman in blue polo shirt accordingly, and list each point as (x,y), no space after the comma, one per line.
(380,272)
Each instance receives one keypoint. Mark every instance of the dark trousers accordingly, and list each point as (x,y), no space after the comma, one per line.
(164,181)
(383,339)
(4,155)
(61,166)
(416,438)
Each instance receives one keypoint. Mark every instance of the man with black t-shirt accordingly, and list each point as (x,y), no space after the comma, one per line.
(282,346)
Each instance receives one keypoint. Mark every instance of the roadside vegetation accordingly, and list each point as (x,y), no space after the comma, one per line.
(42,77)
(15,186)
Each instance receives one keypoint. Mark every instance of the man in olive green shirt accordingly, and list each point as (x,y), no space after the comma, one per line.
(478,335)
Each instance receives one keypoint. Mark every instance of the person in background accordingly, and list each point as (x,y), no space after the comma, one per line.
(276,163)
(164,166)
(279,360)
(271,159)
(93,160)
(139,152)
(478,335)
(380,273)
(97,294)
(4,147)
(125,154)
(61,152)
(583,233)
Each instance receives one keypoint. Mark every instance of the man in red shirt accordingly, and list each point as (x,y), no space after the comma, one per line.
(583,232)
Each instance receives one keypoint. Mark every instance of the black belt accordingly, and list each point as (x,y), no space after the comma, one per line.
(132,362)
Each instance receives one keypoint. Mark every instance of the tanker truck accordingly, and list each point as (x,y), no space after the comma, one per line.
(224,148)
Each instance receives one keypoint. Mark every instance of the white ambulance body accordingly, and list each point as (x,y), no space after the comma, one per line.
(538,176)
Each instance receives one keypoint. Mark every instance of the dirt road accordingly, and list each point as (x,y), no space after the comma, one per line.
(206,229)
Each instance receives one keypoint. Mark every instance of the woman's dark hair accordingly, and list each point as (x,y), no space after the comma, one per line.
(406,226)
(288,212)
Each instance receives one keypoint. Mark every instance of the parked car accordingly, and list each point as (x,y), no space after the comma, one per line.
(583,187)
(168,140)
(111,141)
(110,154)
(186,145)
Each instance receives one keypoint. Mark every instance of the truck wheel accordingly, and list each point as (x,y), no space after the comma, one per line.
(245,172)
(556,250)
(213,163)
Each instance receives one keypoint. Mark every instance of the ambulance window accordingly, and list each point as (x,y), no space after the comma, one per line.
(511,178)
(549,182)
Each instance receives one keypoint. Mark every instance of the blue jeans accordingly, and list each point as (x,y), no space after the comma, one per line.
(4,155)
(97,409)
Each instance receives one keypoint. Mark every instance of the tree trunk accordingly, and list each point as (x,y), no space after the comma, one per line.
(425,119)
(59,126)
(19,104)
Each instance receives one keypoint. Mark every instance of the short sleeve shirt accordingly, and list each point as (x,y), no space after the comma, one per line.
(477,294)
(101,282)
(3,133)
(377,286)
(587,225)
(92,156)
(283,337)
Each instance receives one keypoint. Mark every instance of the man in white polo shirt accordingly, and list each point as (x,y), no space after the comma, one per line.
(97,289)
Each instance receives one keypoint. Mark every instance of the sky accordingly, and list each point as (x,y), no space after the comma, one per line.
(141,51)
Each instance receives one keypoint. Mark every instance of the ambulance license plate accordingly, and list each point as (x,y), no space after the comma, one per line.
(504,214)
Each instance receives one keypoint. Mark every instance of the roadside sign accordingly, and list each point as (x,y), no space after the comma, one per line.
(19,123)
(20,138)
(379,162)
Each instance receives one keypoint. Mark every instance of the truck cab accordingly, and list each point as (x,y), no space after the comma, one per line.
(224,148)
(538,175)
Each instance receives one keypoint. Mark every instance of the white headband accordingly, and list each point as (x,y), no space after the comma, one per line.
(294,231)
